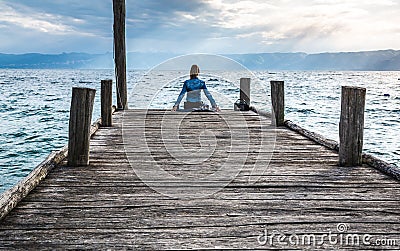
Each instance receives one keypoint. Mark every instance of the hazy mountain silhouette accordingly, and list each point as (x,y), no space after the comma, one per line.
(369,60)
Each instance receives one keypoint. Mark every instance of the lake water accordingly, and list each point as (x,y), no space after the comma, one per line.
(34,107)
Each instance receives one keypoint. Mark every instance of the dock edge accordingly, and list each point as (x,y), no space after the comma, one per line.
(381,165)
(11,197)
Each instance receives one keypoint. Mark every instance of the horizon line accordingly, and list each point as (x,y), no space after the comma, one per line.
(178,53)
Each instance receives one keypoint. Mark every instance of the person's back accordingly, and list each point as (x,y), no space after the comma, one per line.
(193,87)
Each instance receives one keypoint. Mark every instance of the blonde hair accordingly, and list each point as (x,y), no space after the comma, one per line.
(195,70)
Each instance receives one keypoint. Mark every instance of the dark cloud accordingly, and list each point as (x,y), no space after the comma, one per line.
(96,16)
(163,17)
(144,16)
(162,23)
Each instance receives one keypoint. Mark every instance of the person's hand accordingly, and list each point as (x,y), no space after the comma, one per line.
(174,108)
(217,109)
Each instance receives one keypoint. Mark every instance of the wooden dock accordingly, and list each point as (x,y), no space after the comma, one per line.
(303,192)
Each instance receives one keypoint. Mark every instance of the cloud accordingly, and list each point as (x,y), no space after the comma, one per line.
(215,26)
(310,26)
(51,27)
(84,17)
(43,23)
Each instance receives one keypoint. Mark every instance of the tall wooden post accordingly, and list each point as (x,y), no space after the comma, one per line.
(79,126)
(278,102)
(120,53)
(351,127)
(245,89)
(106,103)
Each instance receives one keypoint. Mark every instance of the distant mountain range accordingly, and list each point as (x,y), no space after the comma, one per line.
(368,60)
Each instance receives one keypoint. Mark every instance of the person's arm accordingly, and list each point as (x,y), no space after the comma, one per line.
(180,97)
(210,97)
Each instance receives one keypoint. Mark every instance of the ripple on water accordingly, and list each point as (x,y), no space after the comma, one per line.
(43,120)
(301,111)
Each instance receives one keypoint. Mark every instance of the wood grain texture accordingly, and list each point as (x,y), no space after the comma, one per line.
(10,198)
(278,102)
(80,125)
(351,126)
(381,165)
(106,206)
(106,103)
(331,144)
(119,10)
(245,89)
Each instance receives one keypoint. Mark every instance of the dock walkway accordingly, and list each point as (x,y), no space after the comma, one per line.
(302,192)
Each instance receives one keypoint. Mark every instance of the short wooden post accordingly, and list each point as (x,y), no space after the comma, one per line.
(120,53)
(351,127)
(79,126)
(278,102)
(106,103)
(245,89)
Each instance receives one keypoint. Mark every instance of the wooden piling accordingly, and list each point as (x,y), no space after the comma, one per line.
(120,53)
(245,89)
(278,103)
(106,103)
(351,127)
(79,126)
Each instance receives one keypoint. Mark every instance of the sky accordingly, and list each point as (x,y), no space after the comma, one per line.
(201,26)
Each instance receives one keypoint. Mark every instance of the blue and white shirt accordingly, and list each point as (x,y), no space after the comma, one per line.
(193,89)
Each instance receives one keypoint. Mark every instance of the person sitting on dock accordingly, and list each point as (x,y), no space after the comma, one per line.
(193,87)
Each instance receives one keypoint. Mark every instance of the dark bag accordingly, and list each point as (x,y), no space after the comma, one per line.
(241,105)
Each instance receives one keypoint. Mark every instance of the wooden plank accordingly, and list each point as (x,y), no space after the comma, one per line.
(302,190)
(10,198)
(383,166)
(220,236)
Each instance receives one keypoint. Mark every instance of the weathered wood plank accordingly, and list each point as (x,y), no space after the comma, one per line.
(225,236)
(11,197)
(302,190)
(14,195)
